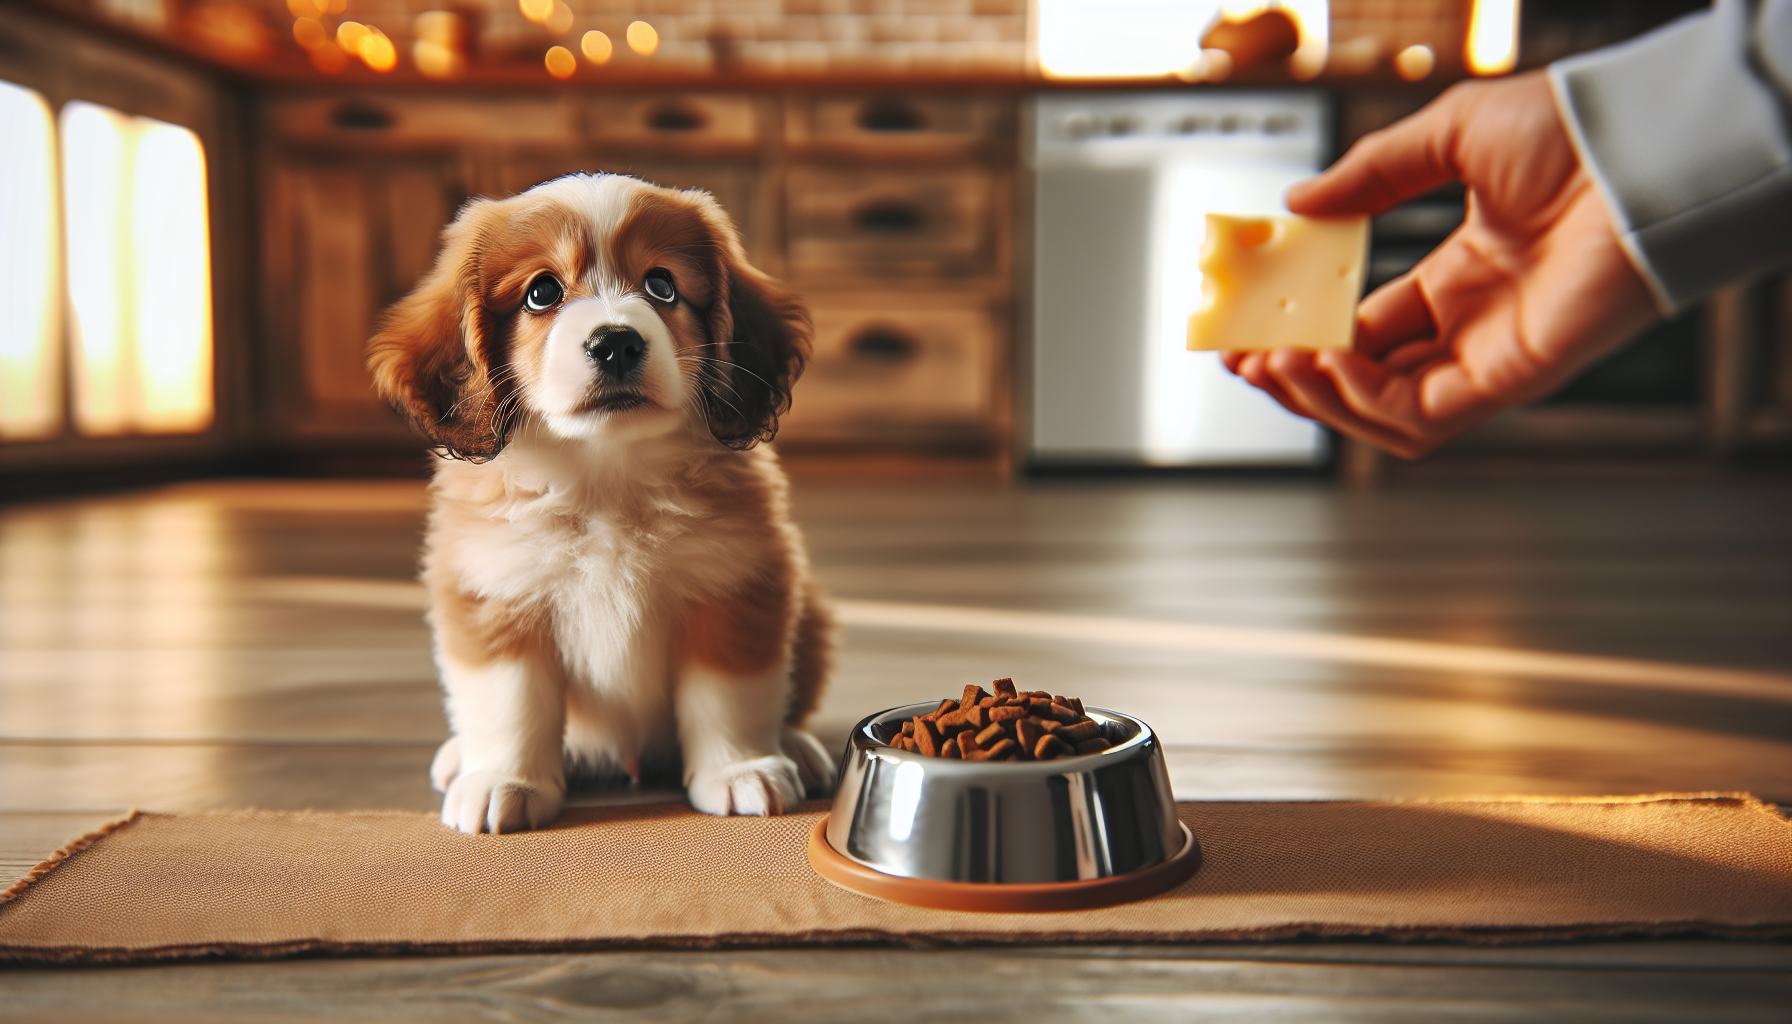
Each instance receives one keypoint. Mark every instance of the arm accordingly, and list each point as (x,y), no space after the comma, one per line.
(1551,269)
(1685,131)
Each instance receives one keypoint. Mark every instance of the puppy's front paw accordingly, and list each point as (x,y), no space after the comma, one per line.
(764,785)
(490,802)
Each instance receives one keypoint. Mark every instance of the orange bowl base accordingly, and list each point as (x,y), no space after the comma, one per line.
(997,897)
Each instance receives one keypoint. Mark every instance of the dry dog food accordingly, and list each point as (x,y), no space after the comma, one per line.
(1008,725)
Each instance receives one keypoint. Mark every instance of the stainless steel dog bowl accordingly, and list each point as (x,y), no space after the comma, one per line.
(959,829)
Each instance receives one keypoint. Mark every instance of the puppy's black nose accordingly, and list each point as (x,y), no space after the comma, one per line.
(615,350)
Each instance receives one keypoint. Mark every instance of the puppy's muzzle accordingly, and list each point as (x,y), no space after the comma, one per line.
(617,351)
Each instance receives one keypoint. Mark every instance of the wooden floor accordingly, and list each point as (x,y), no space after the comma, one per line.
(227,645)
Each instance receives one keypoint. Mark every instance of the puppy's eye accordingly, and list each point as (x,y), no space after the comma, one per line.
(659,285)
(544,294)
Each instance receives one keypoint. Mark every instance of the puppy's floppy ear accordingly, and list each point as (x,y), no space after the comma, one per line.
(436,349)
(762,336)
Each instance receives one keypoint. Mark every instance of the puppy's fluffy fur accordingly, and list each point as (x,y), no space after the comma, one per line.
(614,577)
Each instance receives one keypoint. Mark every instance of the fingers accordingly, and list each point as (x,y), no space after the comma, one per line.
(1317,396)
(1386,167)
(1385,399)
(1413,355)
(1292,378)
(1393,315)
(1349,392)
(1254,368)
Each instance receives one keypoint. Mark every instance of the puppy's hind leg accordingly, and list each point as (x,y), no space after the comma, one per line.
(813,766)
(811,661)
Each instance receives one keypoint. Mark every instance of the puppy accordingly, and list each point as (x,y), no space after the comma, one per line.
(614,577)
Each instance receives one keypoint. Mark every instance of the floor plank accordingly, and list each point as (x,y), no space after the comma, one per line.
(27,840)
(1608,982)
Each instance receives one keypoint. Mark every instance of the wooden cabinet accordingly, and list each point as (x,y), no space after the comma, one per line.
(887,214)
(897,228)
(343,239)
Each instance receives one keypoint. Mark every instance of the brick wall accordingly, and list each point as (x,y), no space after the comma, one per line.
(769,37)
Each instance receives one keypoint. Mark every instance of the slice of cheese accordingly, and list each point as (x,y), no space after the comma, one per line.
(1273,282)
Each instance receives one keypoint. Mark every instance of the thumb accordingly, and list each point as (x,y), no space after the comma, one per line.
(1385,167)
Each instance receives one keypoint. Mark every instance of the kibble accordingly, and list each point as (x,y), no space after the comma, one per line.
(927,738)
(1007,725)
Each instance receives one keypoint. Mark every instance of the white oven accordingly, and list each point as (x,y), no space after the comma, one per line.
(1123,182)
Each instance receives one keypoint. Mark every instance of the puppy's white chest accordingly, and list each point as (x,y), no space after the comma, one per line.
(608,587)
(533,557)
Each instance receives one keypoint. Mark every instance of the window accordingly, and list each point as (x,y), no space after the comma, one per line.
(1152,38)
(113,297)
(30,332)
(139,273)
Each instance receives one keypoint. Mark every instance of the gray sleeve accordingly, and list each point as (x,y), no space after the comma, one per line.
(1687,132)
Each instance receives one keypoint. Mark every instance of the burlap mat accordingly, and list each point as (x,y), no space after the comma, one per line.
(273,883)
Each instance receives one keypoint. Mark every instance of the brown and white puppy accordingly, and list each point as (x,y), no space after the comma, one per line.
(614,577)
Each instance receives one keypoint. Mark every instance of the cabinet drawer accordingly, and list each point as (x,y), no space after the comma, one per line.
(370,123)
(674,123)
(845,222)
(891,125)
(892,367)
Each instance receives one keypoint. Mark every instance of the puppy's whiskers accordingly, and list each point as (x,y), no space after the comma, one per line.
(738,366)
(707,383)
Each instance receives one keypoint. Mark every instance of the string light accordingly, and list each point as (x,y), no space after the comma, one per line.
(309,33)
(596,47)
(642,38)
(560,62)
(559,19)
(377,51)
(349,35)
(1415,62)
(439,48)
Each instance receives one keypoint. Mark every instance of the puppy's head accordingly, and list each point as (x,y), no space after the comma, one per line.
(599,305)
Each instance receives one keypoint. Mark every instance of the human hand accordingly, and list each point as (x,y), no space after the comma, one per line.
(1532,287)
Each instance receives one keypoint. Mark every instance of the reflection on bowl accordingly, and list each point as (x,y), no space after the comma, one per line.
(1014,822)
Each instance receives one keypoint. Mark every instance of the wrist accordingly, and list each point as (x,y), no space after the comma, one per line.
(1688,143)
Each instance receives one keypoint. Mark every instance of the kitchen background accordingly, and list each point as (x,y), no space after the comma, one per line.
(293,162)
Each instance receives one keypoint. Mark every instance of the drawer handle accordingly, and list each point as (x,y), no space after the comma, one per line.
(880,344)
(674,117)
(889,217)
(891,115)
(361,117)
